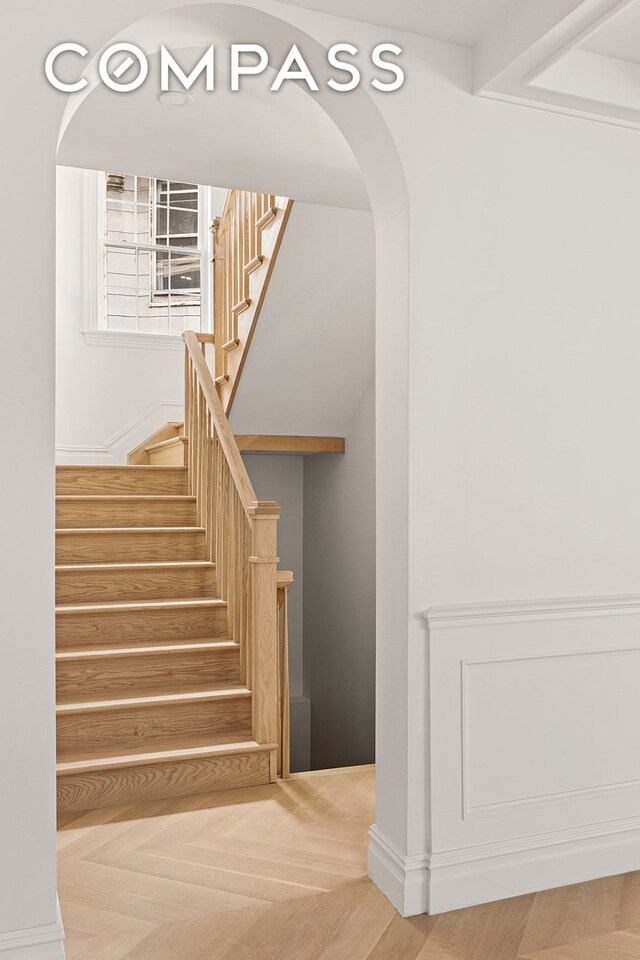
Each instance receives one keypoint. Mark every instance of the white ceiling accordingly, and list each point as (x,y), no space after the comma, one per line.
(619,37)
(580,57)
(457,21)
(222,134)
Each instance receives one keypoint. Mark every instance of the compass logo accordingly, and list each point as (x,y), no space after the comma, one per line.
(119,60)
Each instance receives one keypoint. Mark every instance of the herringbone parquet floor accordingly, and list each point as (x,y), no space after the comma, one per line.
(279,873)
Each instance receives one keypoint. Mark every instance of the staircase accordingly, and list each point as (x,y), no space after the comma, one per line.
(171,615)
(150,700)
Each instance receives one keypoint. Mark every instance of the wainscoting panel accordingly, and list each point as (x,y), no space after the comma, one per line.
(535,746)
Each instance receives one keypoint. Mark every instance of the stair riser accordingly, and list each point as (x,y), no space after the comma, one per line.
(111,586)
(124,627)
(125,513)
(161,781)
(126,728)
(105,677)
(120,481)
(174,454)
(129,547)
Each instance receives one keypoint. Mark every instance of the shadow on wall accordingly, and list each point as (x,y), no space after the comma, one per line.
(340,597)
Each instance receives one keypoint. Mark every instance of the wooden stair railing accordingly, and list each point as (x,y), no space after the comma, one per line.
(285,579)
(246,241)
(241,539)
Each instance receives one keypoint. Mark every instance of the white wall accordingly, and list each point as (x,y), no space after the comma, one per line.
(340,596)
(102,391)
(523,484)
(523,469)
(312,354)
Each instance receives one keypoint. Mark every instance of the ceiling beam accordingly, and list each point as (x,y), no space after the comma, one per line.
(531,36)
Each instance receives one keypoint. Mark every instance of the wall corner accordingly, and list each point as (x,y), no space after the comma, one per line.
(402,879)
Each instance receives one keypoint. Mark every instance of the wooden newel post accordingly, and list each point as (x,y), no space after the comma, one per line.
(263,621)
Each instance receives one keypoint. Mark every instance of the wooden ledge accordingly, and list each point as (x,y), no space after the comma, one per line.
(241,306)
(253,264)
(267,217)
(274,443)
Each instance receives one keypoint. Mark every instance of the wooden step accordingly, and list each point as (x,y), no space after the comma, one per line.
(180,769)
(166,432)
(121,480)
(129,544)
(168,452)
(101,674)
(129,582)
(85,626)
(128,511)
(124,724)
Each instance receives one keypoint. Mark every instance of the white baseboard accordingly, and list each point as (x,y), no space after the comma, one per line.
(35,943)
(438,883)
(464,878)
(403,880)
(117,447)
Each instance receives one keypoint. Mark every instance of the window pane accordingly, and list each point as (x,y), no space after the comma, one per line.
(183,203)
(184,273)
(162,271)
(161,222)
(183,241)
(183,221)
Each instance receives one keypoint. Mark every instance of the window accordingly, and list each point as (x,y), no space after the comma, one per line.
(154,245)
(176,217)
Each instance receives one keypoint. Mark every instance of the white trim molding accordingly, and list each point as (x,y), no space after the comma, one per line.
(403,880)
(125,338)
(456,614)
(35,943)
(533,752)
(497,871)
(117,447)
(535,55)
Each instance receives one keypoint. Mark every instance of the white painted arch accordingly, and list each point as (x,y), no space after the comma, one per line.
(357,121)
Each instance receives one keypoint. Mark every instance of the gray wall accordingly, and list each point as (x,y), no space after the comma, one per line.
(326,535)
(339,596)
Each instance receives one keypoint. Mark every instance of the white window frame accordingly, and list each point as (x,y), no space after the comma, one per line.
(95,328)
(158,296)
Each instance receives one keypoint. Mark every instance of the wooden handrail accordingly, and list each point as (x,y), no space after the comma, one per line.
(221,424)
(241,539)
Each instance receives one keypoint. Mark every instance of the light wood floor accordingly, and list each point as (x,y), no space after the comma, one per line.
(279,873)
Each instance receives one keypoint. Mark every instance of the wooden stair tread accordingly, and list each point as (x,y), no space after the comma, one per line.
(132,497)
(135,696)
(61,531)
(169,647)
(133,567)
(163,444)
(218,692)
(71,467)
(139,605)
(177,748)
